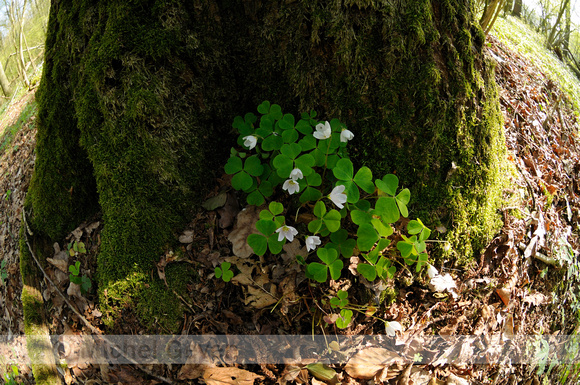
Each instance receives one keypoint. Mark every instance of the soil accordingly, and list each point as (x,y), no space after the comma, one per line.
(524,283)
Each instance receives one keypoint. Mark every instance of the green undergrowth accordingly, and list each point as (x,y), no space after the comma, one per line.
(156,305)
(520,37)
(7,136)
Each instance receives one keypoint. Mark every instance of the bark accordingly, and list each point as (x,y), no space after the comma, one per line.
(136,102)
(490,13)
(5,83)
(551,38)
(517,10)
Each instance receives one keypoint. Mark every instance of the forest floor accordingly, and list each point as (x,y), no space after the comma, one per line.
(525,282)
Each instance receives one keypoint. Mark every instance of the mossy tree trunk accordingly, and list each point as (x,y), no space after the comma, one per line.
(137,100)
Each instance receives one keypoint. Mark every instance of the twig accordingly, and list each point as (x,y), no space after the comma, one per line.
(87,323)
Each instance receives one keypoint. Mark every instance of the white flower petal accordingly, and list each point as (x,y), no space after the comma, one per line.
(443,282)
(296,174)
(291,186)
(287,232)
(323,131)
(337,196)
(346,135)
(392,327)
(311,242)
(432,271)
(250,141)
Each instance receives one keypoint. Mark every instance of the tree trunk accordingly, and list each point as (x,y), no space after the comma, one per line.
(551,38)
(517,10)
(5,83)
(136,102)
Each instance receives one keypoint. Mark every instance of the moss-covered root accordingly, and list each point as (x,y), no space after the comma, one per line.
(37,333)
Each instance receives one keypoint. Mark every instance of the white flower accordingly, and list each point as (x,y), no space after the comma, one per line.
(346,135)
(392,327)
(250,141)
(432,271)
(291,186)
(311,242)
(323,131)
(296,174)
(443,282)
(287,232)
(337,196)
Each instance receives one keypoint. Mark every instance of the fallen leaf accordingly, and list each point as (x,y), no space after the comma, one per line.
(186,237)
(505,295)
(536,299)
(60,264)
(215,202)
(74,290)
(366,363)
(245,225)
(258,296)
(322,372)
(246,268)
(233,376)
(229,211)
(455,380)
(419,376)
(195,366)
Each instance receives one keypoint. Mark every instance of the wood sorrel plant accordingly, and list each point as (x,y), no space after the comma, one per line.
(350,213)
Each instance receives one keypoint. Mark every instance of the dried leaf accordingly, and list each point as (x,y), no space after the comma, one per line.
(366,363)
(536,299)
(258,296)
(229,211)
(186,237)
(246,268)
(215,202)
(245,225)
(419,376)
(455,380)
(505,295)
(60,264)
(233,376)
(195,366)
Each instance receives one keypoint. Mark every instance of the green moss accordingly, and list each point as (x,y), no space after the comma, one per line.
(154,303)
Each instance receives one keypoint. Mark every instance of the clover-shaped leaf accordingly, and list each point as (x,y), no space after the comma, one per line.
(367,237)
(343,170)
(388,184)
(258,243)
(344,319)
(340,300)
(317,271)
(345,245)
(242,179)
(385,269)
(367,271)
(403,199)
(329,257)
(364,179)
(224,271)
(75,269)
(386,208)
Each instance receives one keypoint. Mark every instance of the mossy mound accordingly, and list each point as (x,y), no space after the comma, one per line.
(137,99)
